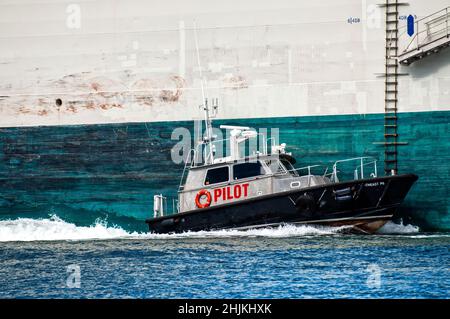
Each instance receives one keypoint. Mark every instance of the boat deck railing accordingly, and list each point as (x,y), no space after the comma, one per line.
(359,171)
(161,207)
(308,171)
(364,167)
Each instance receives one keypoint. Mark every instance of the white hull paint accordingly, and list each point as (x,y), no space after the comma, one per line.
(135,61)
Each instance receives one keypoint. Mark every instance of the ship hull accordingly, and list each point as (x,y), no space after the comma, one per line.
(363,205)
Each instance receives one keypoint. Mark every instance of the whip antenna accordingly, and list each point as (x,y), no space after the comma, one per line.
(209,136)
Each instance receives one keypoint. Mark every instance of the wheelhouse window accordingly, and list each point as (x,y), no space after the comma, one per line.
(289,167)
(217,175)
(275,166)
(246,170)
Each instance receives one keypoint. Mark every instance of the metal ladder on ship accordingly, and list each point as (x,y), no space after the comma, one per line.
(432,37)
(391,89)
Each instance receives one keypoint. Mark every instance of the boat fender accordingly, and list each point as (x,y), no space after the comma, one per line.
(343,192)
(306,204)
(343,195)
(344,198)
(201,193)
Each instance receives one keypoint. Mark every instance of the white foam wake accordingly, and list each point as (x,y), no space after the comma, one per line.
(275,232)
(397,229)
(54,228)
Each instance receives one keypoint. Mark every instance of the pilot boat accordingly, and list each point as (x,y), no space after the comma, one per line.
(265,190)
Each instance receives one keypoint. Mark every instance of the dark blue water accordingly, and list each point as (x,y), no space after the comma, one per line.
(283,263)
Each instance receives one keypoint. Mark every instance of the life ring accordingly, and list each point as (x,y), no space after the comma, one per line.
(306,204)
(199,195)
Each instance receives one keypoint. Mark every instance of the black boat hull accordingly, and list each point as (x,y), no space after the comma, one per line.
(365,205)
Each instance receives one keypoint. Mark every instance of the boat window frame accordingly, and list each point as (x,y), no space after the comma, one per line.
(218,183)
(281,169)
(289,169)
(262,167)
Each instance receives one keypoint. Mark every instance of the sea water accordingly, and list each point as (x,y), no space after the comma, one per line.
(51,258)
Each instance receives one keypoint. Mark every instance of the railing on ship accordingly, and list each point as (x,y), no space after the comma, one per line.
(359,171)
(365,167)
(426,30)
(161,207)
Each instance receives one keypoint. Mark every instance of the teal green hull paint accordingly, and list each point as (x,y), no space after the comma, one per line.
(85,172)
(428,155)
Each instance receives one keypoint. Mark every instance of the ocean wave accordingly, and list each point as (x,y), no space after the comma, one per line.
(54,228)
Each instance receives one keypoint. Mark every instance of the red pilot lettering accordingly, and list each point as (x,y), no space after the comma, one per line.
(245,186)
(231,192)
(237,191)
(217,194)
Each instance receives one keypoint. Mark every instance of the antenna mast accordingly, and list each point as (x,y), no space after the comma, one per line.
(209,133)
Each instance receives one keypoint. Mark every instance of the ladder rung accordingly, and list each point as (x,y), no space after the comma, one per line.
(391,74)
(390,161)
(390,109)
(390,135)
(390,125)
(390,152)
(393,4)
(395,143)
(390,100)
(391,91)
(390,143)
